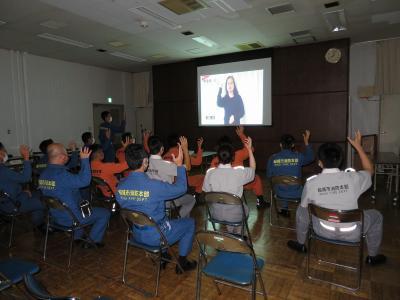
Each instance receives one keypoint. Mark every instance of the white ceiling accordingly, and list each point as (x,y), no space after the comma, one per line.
(98,22)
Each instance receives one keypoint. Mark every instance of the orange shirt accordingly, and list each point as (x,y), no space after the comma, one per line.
(106,171)
(195,160)
(120,154)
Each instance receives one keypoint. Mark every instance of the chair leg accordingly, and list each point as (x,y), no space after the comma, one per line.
(262,284)
(198,278)
(45,241)
(270,209)
(308,256)
(71,245)
(158,274)
(248,233)
(254,287)
(125,258)
(11,232)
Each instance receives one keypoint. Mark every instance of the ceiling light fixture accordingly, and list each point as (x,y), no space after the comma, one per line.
(64,40)
(146,12)
(205,41)
(336,20)
(127,56)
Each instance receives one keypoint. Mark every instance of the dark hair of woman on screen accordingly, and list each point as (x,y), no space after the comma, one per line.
(232,102)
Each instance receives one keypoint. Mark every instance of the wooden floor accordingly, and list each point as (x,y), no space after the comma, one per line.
(98,272)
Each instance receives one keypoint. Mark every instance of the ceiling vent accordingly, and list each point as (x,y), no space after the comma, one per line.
(181,7)
(336,20)
(300,33)
(249,46)
(148,13)
(280,9)
(64,40)
(331,4)
(303,36)
(188,32)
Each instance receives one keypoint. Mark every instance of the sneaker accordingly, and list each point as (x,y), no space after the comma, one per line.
(261,203)
(186,265)
(165,255)
(295,245)
(284,213)
(375,260)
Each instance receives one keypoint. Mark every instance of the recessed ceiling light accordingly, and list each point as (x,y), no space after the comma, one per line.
(331,4)
(101,50)
(188,32)
(64,40)
(127,56)
(336,20)
(53,24)
(205,41)
(117,44)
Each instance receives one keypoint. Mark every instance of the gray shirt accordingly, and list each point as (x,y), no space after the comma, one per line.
(161,169)
(226,178)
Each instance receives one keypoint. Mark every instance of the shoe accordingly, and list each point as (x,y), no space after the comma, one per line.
(186,265)
(261,203)
(164,263)
(87,245)
(375,260)
(284,213)
(295,245)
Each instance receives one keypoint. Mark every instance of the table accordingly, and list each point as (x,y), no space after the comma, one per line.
(388,163)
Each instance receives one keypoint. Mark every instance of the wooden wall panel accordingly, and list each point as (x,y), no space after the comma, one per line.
(307,93)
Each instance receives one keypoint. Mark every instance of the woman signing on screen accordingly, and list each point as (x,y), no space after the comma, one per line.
(231,102)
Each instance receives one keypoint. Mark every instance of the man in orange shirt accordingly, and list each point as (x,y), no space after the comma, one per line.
(240,156)
(105,170)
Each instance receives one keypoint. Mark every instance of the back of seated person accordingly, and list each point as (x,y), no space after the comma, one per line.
(226,178)
(141,193)
(289,162)
(105,170)
(339,190)
(57,181)
(11,183)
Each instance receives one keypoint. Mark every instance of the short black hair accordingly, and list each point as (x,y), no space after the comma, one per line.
(86,136)
(2,146)
(125,136)
(224,140)
(104,114)
(172,140)
(225,154)
(287,141)
(94,148)
(44,144)
(331,155)
(155,144)
(134,155)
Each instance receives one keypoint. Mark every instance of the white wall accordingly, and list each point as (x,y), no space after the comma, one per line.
(47,98)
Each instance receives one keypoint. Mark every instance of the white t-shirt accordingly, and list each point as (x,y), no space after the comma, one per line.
(161,169)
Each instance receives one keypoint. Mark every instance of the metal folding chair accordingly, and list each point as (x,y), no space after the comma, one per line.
(53,203)
(97,194)
(227,199)
(235,263)
(345,216)
(138,219)
(282,181)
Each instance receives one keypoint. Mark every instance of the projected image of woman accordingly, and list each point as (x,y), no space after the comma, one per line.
(232,102)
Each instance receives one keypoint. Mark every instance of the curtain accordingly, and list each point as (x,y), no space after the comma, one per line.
(388,67)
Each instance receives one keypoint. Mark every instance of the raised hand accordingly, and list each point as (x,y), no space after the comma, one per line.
(248,143)
(179,159)
(356,142)
(85,153)
(306,136)
(183,142)
(24,151)
(200,142)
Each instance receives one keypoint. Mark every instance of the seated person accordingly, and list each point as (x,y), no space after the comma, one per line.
(195,159)
(240,156)
(289,162)
(166,171)
(57,181)
(105,170)
(88,139)
(10,183)
(106,135)
(73,161)
(126,139)
(321,190)
(229,179)
(151,195)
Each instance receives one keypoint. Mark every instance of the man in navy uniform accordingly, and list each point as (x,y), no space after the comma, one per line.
(57,181)
(10,183)
(139,192)
(106,134)
(288,162)
(340,190)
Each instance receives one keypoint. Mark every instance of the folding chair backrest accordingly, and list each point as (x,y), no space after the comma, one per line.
(4,282)
(336,216)
(285,180)
(223,242)
(222,198)
(54,203)
(132,217)
(5,197)
(38,291)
